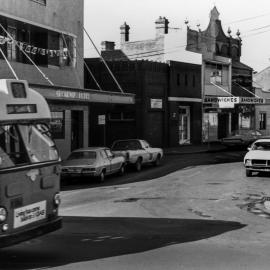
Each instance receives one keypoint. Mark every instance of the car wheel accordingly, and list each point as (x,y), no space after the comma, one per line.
(248,173)
(138,165)
(122,170)
(157,161)
(102,176)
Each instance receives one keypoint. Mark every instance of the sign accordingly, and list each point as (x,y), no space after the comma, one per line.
(229,102)
(251,100)
(29,214)
(223,102)
(156,103)
(102,119)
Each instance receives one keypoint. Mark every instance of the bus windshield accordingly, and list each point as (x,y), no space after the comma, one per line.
(25,144)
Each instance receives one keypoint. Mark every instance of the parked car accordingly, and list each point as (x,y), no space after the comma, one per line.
(257,158)
(137,152)
(241,138)
(92,162)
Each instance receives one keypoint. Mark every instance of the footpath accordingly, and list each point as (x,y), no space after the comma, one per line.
(193,149)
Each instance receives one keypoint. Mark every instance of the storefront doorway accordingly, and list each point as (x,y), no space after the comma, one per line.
(76,129)
(184,124)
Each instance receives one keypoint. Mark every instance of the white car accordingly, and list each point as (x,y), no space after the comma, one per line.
(257,158)
(137,152)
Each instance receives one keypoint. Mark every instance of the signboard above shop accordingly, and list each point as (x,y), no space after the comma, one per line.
(229,102)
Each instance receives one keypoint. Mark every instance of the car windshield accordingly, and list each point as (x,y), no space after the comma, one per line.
(82,155)
(261,146)
(125,145)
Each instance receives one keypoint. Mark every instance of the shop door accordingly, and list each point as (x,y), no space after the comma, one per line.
(184,125)
(76,129)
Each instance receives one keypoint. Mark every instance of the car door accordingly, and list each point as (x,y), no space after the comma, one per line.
(148,150)
(114,161)
(105,161)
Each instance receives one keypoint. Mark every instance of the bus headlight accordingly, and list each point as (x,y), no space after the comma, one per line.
(3,214)
(248,162)
(57,199)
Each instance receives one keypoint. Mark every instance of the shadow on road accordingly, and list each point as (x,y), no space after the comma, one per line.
(87,238)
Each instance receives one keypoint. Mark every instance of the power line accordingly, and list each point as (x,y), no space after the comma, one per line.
(248,19)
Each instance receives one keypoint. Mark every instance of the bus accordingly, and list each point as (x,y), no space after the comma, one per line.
(29,165)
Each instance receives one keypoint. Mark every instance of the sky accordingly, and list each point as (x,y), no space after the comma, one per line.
(103,18)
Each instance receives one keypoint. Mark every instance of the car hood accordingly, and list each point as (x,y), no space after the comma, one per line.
(78,162)
(258,154)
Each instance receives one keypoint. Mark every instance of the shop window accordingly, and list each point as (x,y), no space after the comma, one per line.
(58,125)
(244,121)
(122,116)
(262,120)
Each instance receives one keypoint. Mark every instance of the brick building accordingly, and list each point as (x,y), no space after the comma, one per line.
(146,119)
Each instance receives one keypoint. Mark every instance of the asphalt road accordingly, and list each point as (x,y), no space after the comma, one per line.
(170,163)
(197,221)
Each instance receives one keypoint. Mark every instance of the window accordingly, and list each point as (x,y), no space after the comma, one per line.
(262,121)
(109,153)
(25,144)
(244,121)
(67,51)
(57,125)
(193,80)
(216,75)
(83,155)
(122,116)
(11,46)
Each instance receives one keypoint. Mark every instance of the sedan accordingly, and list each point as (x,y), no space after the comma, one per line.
(241,138)
(137,152)
(257,158)
(92,162)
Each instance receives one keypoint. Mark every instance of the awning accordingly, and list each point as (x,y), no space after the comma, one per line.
(61,93)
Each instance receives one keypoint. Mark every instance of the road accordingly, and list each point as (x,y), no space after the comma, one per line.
(170,163)
(204,216)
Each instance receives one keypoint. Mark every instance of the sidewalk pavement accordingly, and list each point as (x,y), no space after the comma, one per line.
(193,149)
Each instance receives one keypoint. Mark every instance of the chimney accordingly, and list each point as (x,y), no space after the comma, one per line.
(107,46)
(124,33)
(162,26)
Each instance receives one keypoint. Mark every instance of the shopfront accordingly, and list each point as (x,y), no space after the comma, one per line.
(71,113)
(222,115)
